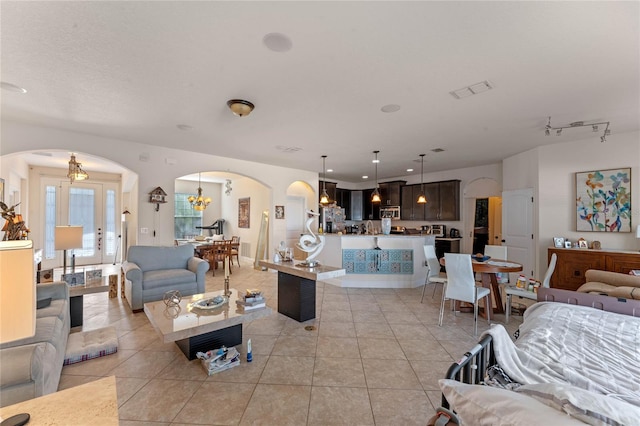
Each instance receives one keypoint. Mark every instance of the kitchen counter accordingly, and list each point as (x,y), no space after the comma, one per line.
(398,264)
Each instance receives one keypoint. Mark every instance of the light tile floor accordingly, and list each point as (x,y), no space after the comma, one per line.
(374,358)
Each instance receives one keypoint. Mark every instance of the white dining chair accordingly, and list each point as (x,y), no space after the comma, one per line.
(498,252)
(434,276)
(461,286)
(512,290)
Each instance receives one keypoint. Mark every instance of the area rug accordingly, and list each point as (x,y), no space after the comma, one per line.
(92,344)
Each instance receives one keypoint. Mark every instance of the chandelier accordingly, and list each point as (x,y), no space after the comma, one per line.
(199,203)
(375,195)
(75,170)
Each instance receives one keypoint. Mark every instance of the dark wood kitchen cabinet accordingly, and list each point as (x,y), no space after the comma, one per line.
(390,192)
(573,263)
(343,199)
(443,200)
(409,208)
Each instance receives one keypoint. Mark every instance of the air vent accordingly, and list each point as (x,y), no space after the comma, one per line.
(288,149)
(44,154)
(473,89)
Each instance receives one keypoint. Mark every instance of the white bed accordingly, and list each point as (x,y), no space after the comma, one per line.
(581,361)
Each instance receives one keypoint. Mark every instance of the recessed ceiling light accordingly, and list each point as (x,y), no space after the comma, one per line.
(184,127)
(329,170)
(365,177)
(12,87)
(277,42)
(390,108)
(437,150)
(409,170)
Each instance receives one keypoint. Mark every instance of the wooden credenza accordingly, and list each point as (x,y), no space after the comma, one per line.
(573,263)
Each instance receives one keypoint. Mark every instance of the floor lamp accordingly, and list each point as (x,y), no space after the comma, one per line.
(17,299)
(68,238)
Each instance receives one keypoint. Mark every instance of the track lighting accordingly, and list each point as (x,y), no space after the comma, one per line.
(594,127)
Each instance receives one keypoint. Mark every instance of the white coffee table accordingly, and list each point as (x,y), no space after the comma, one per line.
(199,330)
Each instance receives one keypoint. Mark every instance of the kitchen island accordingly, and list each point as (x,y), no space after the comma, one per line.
(378,261)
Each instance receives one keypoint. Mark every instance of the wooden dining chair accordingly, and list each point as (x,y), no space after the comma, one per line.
(219,251)
(235,249)
(461,286)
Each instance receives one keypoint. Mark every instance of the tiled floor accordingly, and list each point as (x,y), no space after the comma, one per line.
(374,357)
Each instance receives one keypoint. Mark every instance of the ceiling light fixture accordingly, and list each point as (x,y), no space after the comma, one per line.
(375,196)
(75,170)
(240,107)
(421,198)
(594,127)
(199,203)
(324,197)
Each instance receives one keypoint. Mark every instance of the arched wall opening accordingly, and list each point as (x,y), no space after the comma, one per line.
(475,195)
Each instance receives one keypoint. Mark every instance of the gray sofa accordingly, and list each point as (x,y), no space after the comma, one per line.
(151,271)
(31,367)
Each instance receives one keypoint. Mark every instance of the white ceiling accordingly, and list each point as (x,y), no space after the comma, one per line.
(135,70)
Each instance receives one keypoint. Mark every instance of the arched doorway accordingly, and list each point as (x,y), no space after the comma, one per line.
(482,204)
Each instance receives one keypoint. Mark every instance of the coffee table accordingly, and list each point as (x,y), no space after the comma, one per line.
(199,330)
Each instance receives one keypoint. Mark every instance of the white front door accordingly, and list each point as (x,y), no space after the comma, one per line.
(90,204)
(517,229)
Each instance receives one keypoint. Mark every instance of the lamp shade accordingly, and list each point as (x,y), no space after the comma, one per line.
(68,237)
(17,291)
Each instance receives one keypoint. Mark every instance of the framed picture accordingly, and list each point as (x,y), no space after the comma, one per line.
(279,212)
(567,244)
(603,200)
(582,243)
(244,212)
(74,278)
(44,276)
(558,242)
(2,190)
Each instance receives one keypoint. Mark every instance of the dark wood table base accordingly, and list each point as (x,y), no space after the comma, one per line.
(230,336)
(296,297)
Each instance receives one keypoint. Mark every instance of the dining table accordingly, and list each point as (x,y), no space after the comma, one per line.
(488,270)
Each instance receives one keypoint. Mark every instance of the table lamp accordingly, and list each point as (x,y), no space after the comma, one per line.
(17,298)
(68,238)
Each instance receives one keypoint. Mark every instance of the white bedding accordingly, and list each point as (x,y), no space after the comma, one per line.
(585,347)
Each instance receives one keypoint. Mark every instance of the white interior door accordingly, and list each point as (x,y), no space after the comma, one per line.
(517,229)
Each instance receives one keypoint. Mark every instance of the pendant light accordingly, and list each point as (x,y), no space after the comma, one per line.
(421,198)
(324,197)
(199,203)
(375,196)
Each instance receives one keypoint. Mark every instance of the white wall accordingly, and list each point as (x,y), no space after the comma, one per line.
(150,165)
(554,182)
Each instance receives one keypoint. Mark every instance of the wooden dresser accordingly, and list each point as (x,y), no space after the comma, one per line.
(573,263)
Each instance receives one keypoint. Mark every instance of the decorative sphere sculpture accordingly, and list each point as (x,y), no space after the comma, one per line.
(172,298)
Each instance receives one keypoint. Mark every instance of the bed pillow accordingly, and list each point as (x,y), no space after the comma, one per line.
(589,407)
(485,405)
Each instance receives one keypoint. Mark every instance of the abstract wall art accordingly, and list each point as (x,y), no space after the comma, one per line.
(603,200)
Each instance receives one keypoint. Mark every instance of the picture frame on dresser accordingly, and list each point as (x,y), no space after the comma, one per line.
(567,244)
(558,242)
